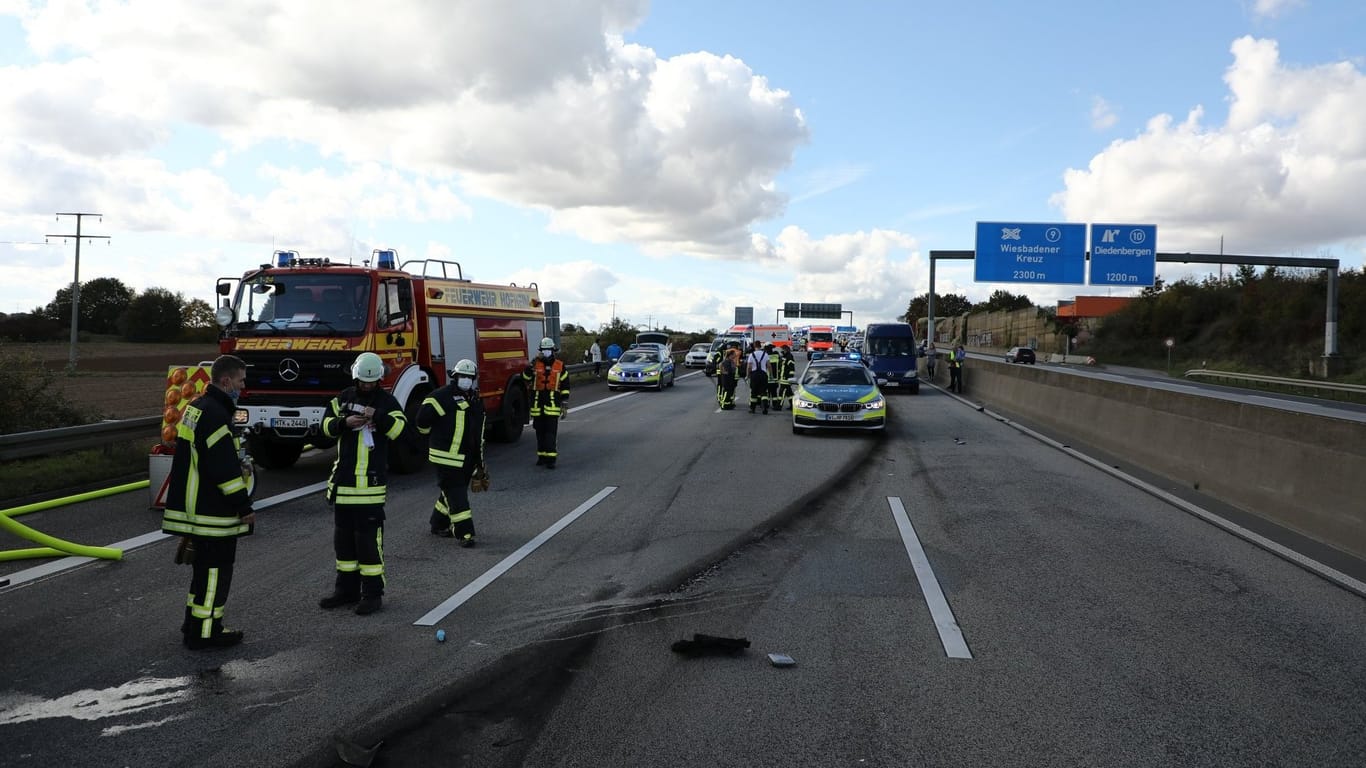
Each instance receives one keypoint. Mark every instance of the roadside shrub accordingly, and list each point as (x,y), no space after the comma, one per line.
(31,396)
(31,327)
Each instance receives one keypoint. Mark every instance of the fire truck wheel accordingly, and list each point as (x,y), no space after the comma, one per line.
(507,427)
(274,455)
(409,454)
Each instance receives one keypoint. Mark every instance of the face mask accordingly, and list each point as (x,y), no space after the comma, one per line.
(546,353)
(464,384)
(234,394)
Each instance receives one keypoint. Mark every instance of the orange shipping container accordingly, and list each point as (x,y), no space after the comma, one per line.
(1093,306)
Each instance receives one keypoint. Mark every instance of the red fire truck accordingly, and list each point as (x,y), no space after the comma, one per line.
(299,323)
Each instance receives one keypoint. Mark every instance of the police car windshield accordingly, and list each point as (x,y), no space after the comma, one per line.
(638,356)
(837,375)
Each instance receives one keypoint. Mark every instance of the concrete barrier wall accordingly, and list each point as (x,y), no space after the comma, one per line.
(1307,473)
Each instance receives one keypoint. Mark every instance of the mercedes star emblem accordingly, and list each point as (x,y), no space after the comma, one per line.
(289,369)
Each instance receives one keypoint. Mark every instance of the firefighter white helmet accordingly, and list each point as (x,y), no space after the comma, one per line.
(368,367)
(547,343)
(465,367)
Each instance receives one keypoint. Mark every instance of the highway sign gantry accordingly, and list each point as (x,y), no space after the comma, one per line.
(1123,254)
(1030,252)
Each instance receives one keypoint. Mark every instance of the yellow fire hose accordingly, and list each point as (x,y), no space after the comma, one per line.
(53,546)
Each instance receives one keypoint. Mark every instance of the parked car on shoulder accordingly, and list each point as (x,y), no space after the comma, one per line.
(1020,355)
(697,356)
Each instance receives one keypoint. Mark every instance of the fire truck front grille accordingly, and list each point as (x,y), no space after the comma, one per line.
(328,372)
(287,401)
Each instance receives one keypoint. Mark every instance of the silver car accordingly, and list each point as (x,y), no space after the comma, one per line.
(697,356)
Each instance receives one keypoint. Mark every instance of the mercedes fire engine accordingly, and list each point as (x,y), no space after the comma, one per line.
(300,322)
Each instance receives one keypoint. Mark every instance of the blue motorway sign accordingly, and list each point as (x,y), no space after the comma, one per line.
(1123,254)
(1015,252)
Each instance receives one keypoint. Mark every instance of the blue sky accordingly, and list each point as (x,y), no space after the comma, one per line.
(672,160)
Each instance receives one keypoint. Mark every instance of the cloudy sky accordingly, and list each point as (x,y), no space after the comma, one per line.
(670,160)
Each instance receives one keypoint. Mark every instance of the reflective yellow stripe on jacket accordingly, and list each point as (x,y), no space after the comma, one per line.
(449,456)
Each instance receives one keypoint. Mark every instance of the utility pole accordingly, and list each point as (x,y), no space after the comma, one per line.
(76,279)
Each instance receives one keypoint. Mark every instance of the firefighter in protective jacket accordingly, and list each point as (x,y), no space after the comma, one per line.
(453,419)
(548,382)
(365,419)
(207,500)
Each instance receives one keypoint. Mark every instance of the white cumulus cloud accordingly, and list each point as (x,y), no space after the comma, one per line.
(1286,171)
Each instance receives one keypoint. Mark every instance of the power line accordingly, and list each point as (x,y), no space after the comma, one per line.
(76,280)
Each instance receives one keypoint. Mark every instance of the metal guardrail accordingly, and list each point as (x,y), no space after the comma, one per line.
(19,445)
(1352,391)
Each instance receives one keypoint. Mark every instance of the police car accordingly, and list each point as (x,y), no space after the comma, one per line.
(838,392)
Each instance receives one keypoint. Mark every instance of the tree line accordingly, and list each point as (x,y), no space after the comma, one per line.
(109,307)
(1271,322)
(1268,322)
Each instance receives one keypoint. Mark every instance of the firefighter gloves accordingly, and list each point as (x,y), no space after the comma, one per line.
(479,480)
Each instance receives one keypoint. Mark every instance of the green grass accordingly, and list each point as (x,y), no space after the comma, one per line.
(24,478)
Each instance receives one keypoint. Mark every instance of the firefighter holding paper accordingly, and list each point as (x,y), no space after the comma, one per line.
(364,419)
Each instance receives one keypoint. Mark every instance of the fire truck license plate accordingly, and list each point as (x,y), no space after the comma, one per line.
(289,423)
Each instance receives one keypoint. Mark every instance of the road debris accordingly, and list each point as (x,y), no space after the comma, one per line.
(701,645)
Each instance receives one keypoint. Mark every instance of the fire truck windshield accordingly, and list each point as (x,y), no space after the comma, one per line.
(303,304)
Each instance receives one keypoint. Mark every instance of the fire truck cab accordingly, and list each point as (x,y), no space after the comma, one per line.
(299,324)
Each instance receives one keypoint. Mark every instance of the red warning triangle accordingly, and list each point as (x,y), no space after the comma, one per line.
(160,502)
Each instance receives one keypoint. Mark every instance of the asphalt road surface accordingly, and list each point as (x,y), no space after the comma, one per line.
(953,593)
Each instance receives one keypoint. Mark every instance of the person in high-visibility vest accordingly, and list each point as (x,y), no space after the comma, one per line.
(785,368)
(549,384)
(207,501)
(956,360)
(364,419)
(453,419)
(775,376)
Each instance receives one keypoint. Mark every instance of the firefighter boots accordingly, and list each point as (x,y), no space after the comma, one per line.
(338,599)
(224,639)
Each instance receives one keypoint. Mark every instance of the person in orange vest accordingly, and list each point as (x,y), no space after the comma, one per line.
(548,382)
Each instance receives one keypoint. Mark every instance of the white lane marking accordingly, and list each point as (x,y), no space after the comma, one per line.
(470,590)
(949,632)
(595,403)
(297,493)
(1280,550)
(127,545)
